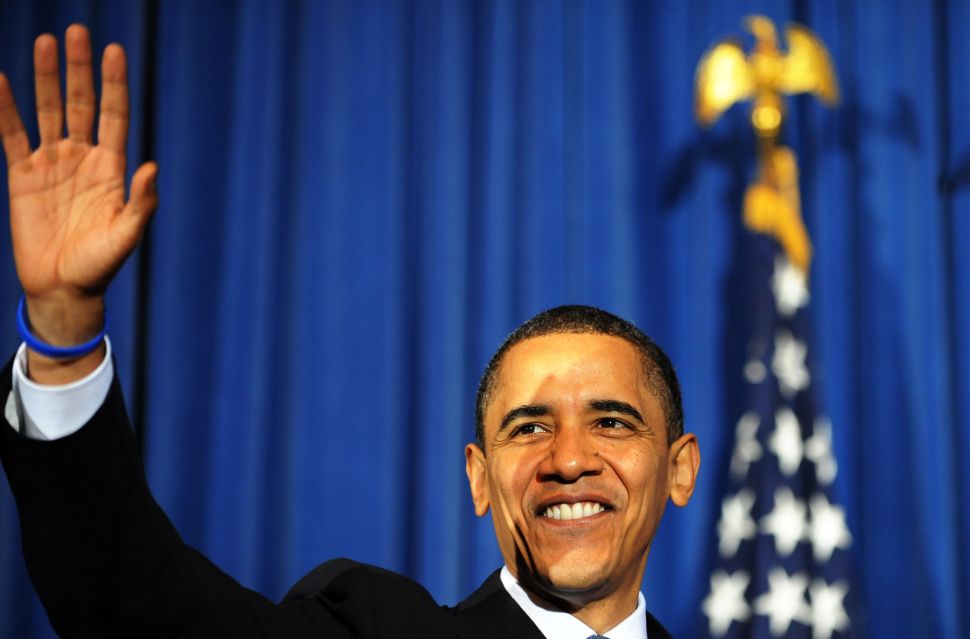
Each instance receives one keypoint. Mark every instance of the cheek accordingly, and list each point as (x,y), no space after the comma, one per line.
(644,476)
(509,481)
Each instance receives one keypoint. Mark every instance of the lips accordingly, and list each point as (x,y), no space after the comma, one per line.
(570,507)
(578,510)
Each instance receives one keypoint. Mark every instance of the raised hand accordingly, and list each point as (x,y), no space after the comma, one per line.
(71,225)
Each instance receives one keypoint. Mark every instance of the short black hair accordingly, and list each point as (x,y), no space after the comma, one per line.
(581,319)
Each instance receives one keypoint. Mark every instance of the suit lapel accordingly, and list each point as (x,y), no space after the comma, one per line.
(655,630)
(491,610)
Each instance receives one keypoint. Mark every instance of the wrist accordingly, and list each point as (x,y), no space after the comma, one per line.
(63,320)
(51,371)
(64,337)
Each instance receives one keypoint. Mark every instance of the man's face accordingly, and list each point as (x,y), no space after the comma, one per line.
(576,468)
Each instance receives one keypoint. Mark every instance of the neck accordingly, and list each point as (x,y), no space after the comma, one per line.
(601,614)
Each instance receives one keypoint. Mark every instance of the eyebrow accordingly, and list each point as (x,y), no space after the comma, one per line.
(616,406)
(526,410)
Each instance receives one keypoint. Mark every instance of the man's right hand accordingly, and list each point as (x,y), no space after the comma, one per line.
(71,226)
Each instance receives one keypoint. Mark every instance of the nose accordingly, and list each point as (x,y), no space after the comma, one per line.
(571,454)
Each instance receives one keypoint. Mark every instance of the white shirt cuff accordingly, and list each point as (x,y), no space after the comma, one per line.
(54,412)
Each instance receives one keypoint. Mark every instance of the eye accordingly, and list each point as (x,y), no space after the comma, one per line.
(525,430)
(612,423)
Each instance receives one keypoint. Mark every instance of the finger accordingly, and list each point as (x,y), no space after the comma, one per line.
(113,122)
(80,84)
(16,146)
(50,116)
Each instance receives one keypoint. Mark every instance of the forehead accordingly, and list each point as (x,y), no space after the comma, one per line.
(570,368)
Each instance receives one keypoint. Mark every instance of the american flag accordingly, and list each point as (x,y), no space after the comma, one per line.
(782,568)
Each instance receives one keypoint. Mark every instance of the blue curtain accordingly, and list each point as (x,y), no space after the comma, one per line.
(360,199)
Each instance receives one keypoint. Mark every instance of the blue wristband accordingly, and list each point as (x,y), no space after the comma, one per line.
(57,352)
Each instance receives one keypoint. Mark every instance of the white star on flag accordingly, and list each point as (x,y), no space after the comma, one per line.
(786,521)
(784,602)
(726,603)
(827,530)
(736,523)
(754,371)
(788,364)
(746,446)
(818,449)
(786,441)
(790,286)
(828,609)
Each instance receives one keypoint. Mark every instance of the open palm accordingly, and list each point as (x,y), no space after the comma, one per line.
(71,226)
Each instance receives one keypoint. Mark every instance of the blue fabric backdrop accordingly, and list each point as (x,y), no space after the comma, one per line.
(360,199)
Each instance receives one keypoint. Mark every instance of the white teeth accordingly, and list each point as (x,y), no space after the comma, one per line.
(578,510)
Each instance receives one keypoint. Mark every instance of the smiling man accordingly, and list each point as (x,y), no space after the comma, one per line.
(580,445)
(579,429)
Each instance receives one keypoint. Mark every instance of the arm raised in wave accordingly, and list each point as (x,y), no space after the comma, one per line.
(101,553)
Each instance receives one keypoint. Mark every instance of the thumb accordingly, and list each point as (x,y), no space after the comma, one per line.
(142,201)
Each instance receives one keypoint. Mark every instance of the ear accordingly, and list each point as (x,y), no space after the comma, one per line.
(684,462)
(477,477)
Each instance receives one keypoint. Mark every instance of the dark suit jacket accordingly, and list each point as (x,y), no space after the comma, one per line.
(107,562)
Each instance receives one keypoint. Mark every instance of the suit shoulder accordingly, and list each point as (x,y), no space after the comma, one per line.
(367,601)
(346,576)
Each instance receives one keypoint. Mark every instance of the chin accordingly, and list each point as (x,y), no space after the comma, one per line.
(576,579)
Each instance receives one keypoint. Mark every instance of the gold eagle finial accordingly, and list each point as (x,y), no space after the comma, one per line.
(726,76)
